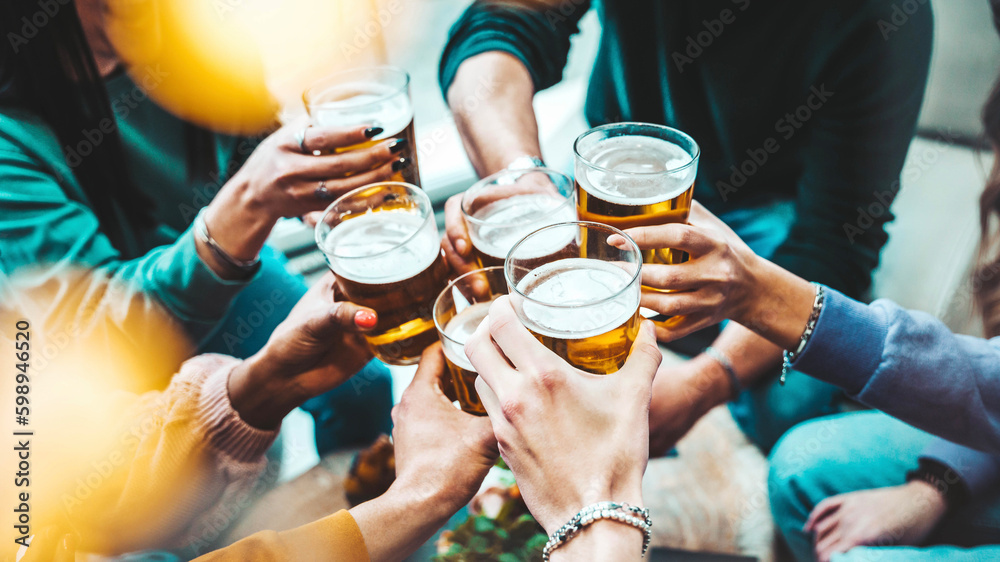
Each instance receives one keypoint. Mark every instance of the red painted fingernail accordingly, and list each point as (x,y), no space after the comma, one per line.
(365,319)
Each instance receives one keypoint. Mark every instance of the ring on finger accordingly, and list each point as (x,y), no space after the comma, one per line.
(300,139)
(322,192)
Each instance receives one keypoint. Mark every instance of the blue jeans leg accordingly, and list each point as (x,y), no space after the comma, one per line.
(351,415)
(767,410)
(925,554)
(863,451)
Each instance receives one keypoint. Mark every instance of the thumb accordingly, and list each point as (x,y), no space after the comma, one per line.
(645,357)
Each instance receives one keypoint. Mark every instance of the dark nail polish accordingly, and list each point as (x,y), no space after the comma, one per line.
(397,145)
(400,164)
(373,131)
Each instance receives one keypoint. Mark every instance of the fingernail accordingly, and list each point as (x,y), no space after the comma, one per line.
(400,164)
(650,328)
(397,145)
(365,319)
(372,131)
(462,246)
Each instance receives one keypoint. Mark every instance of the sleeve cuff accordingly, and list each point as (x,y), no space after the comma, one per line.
(221,424)
(194,292)
(846,347)
(979,471)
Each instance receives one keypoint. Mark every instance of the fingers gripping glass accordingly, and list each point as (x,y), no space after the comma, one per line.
(377,96)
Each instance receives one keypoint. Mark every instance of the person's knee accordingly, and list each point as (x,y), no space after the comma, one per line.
(799,463)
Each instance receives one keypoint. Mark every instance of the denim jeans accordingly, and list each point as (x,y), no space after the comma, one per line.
(767,410)
(352,415)
(862,451)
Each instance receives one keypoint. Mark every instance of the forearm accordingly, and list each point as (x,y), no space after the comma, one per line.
(602,540)
(491,98)
(778,307)
(396,523)
(238,222)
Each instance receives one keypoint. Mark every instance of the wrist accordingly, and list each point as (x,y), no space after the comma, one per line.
(779,304)
(239,220)
(435,503)
(931,497)
(710,383)
(602,540)
(619,490)
(260,394)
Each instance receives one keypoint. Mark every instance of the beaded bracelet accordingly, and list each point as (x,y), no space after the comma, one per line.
(621,512)
(789,356)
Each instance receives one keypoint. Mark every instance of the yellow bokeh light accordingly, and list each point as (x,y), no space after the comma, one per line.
(234,65)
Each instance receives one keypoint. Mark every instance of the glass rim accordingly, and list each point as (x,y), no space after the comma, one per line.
(522,171)
(454,282)
(635,247)
(605,127)
(321,85)
(409,186)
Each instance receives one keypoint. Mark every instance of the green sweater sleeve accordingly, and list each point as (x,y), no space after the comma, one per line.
(47,236)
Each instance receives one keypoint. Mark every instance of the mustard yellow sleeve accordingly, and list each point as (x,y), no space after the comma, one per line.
(336,538)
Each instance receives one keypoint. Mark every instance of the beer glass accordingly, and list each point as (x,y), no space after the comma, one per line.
(458,311)
(636,174)
(578,294)
(379,96)
(382,243)
(503,208)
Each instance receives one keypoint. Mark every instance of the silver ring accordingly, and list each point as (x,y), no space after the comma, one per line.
(322,192)
(300,138)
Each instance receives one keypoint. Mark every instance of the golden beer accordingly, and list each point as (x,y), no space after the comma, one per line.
(458,311)
(632,174)
(463,375)
(378,96)
(596,319)
(382,243)
(503,208)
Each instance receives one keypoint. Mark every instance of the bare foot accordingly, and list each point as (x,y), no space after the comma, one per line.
(900,515)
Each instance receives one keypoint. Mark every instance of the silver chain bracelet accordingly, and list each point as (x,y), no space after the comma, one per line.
(244,267)
(789,356)
(621,512)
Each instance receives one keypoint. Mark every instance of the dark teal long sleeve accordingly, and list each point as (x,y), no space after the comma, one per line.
(811,101)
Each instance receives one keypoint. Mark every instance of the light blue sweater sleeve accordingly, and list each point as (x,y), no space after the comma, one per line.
(911,366)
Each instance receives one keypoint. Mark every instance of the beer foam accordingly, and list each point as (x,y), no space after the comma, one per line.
(579,282)
(359,103)
(635,163)
(460,329)
(377,236)
(513,218)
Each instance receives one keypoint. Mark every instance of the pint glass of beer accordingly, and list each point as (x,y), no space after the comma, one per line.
(379,96)
(458,311)
(382,243)
(503,208)
(636,174)
(578,294)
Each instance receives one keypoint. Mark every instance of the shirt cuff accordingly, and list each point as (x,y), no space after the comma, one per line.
(222,425)
(978,470)
(846,347)
(189,287)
